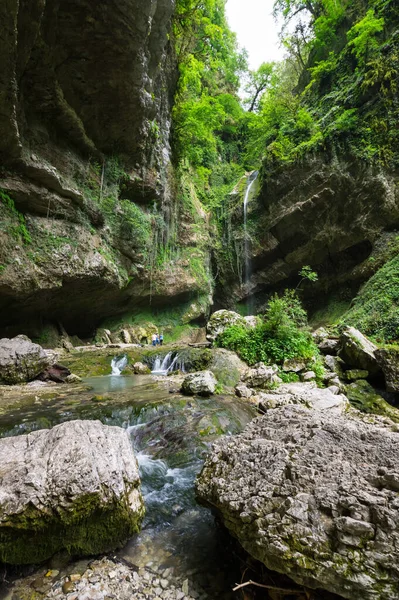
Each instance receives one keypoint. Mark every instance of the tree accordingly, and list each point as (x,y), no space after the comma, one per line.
(258,82)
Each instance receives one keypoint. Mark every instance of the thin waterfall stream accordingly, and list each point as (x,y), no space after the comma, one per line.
(247,246)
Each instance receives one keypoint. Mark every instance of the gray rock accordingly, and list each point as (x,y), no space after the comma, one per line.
(306,394)
(260,375)
(329,346)
(202,383)
(293,365)
(141,369)
(243,391)
(21,360)
(308,376)
(335,364)
(388,360)
(61,488)
(313,495)
(357,351)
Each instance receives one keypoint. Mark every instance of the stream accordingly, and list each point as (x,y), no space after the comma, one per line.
(171,435)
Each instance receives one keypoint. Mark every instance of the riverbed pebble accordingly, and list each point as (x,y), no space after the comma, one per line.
(106,579)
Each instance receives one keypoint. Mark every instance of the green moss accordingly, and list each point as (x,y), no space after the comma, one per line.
(33,537)
(363,397)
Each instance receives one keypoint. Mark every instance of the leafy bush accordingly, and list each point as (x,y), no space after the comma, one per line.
(277,338)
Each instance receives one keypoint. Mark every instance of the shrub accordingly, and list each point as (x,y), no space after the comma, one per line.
(278,337)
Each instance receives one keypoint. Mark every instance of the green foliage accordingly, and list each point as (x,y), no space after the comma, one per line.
(277,338)
(375,311)
(20,229)
(135,225)
(363,36)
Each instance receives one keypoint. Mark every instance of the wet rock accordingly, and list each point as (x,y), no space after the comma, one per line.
(56,373)
(364,397)
(61,489)
(313,495)
(357,351)
(320,335)
(141,369)
(260,376)
(202,383)
(226,366)
(388,360)
(220,321)
(354,374)
(21,360)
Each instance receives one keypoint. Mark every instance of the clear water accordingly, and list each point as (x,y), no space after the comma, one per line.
(171,435)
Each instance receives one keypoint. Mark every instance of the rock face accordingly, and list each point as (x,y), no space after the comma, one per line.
(357,351)
(85,119)
(75,487)
(314,495)
(388,359)
(21,360)
(320,211)
(201,384)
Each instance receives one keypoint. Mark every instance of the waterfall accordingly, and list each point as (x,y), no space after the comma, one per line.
(171,362)
(118,363)
(247,258)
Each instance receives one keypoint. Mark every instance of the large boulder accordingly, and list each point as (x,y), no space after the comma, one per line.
(314,495)
(75,487)
(227,367)
(357,351)
(388,359)
(202,383)
(21,360)
(220,321)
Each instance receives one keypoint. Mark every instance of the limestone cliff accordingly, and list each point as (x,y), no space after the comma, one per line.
(91,224)
(336,214)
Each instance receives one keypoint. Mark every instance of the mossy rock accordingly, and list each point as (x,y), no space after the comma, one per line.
(363,397)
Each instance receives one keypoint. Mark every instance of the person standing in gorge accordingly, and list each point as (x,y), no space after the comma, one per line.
(154,339)
(161,339)
(157,339)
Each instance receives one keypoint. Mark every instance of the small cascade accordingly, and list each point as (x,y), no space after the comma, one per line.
(118,363)
(247,256)
(169,363)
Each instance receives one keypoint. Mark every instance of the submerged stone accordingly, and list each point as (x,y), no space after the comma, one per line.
(75,487)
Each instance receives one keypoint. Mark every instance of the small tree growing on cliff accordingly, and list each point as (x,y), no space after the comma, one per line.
(307,274)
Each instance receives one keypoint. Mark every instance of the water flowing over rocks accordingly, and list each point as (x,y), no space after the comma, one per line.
(74,487)
(21,360)
(313,494)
